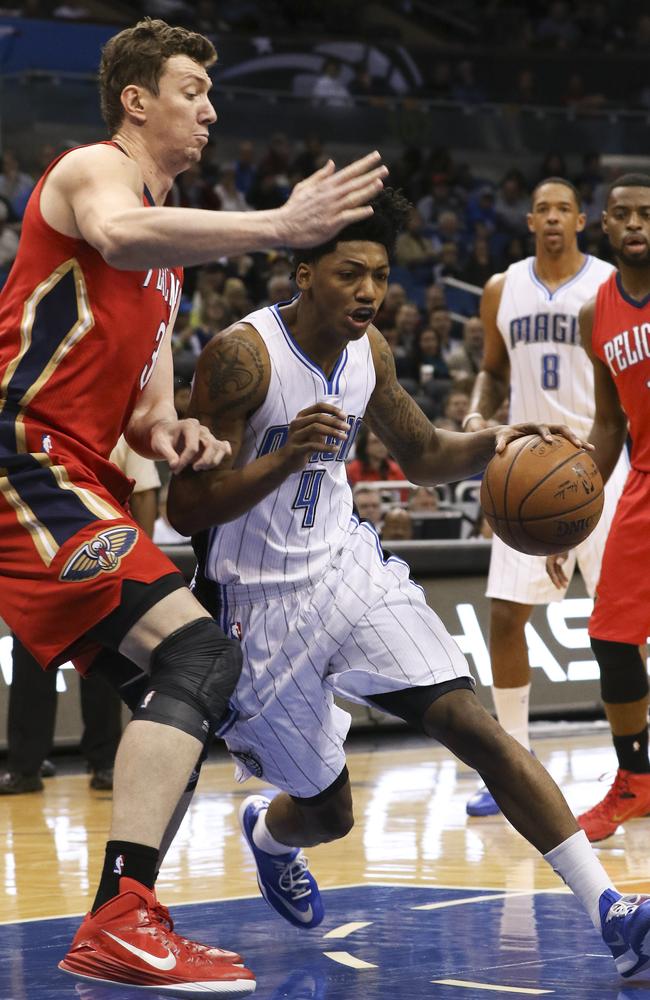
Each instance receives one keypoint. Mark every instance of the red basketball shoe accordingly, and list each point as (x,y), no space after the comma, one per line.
(130,940)
(628,798)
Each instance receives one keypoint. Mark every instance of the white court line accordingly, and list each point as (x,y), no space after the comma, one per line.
(488,986)
(472,899)
(330,888)
(345,929)
(345,958)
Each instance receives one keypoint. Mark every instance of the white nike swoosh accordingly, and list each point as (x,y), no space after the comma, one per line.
(163,964)
(304,916)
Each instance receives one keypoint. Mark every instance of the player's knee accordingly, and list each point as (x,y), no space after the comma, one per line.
(335,822)
(506,616)
(193,673)
(623,676)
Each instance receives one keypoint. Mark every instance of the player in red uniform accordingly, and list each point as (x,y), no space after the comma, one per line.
(615,329)
(85,320)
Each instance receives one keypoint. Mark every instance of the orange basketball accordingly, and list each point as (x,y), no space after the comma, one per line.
(542,497)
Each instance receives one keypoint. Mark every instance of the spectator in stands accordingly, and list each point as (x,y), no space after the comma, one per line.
(526,90)
(448,229)
(311,158)
(279,288)
(434,298)
(191,190)
(230,197)
(214,315)
(480,265)
(448,265)
(372,462)
(8,243)
(415,250)
(455,410)
(245,170)
(372,89)
(557,30)
(367,503)
(182,393)
(465,360)
(236,298)
(15,184)
(428,361)
(512,205)
(578,96)
(480,209)
(397,526)
(423,499)
(465,87)
(394,298)
(330,88)
(442,325)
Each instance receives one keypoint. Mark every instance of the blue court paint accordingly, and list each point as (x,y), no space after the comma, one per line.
(528,942)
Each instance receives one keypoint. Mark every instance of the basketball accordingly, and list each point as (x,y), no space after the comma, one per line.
(542,497)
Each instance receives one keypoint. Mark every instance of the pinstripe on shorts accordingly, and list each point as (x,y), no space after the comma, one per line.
(364,628)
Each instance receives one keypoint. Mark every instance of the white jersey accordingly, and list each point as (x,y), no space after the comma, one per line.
(551,376)
(290,537)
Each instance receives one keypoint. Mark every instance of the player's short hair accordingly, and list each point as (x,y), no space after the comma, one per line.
(137,55)
(628,180)
(390,212)
(558,180)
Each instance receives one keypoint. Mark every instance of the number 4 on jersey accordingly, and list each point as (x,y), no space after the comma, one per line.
(307,495)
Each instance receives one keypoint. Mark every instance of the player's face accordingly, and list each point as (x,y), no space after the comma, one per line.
(627,224)
(181,114)
(555,219)
(347,286)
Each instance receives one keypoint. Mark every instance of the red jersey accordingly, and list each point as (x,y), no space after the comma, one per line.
(621,339)
(78,343)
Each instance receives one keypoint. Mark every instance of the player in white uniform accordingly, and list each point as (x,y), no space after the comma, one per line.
(530,317)
(285,567)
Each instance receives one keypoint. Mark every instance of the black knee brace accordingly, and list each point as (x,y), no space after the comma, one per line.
(623,676)
(124,676)
(193,673)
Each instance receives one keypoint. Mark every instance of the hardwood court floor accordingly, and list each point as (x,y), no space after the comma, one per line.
(412,841)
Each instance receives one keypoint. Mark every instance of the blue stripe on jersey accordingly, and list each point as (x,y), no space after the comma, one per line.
(60,510)
(331,385)
(54,317)
(561,288)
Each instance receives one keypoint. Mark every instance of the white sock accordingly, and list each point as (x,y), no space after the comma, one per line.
(511,705)
(577,865)
(264,840)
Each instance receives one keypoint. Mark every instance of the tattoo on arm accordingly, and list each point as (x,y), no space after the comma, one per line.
(234,372)
(392,413)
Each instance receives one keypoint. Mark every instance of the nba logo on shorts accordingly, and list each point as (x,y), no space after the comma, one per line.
(46,443)
(235,631)
(119,865)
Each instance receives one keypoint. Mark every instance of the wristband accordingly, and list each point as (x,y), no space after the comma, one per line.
(470,416)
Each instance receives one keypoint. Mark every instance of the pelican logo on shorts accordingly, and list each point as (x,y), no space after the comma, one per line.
(102,554)
(250,762)
(235,631)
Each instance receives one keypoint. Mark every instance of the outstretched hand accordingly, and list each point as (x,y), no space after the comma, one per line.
(330,199)
(511,432)
(187,442)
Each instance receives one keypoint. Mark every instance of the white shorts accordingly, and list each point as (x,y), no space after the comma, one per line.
(514,576)
(363,629)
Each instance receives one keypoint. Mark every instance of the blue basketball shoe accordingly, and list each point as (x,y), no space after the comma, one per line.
(482,803)
(625,925)
(284,879)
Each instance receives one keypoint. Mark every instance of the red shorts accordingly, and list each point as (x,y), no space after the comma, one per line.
(66,546)
(622,606)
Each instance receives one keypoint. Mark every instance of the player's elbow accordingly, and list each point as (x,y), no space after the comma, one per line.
(117,245)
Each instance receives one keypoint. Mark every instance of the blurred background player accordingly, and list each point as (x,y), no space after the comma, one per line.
(615,332)
(532,345)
